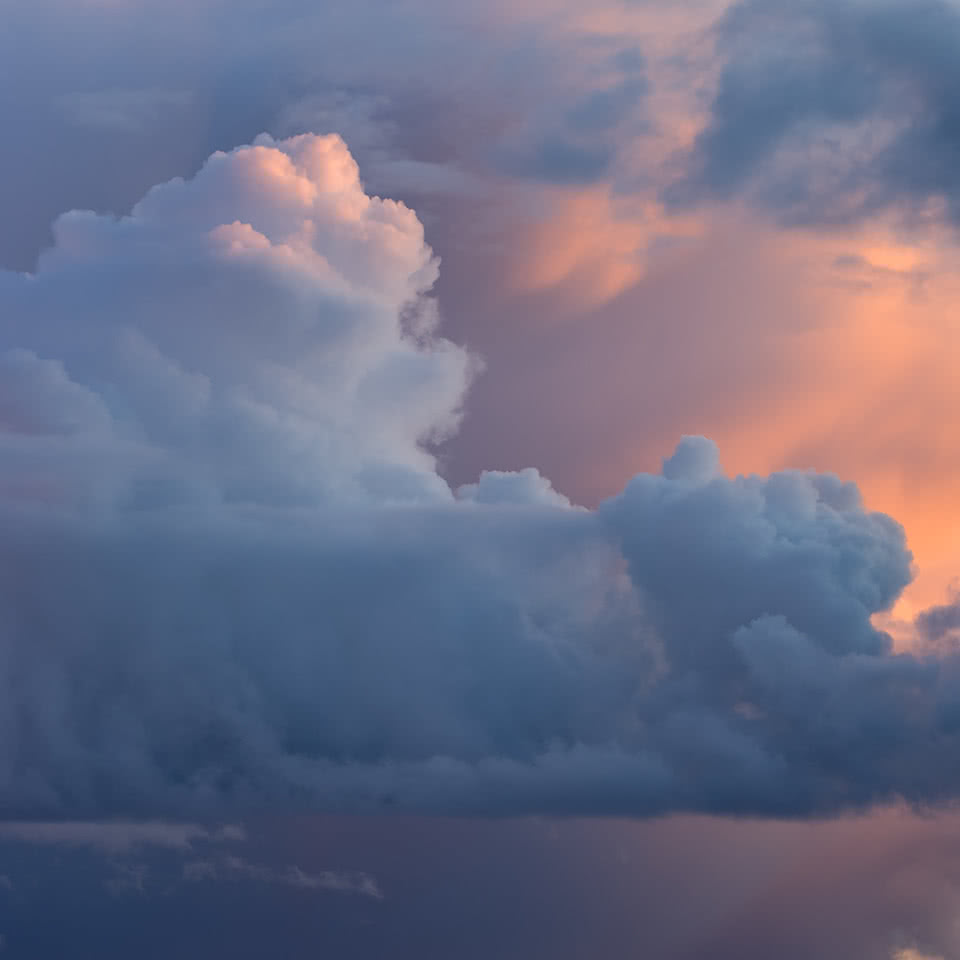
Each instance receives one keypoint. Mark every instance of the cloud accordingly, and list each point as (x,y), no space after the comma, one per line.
(579,144)
(143,857)
(518,487)
(127,879)
(941,623)
(177,358)
(828,112)
(543,95)
(236,868)
(235,580)
(117,838)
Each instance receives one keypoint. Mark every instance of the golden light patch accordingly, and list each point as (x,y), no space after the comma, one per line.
(590,247)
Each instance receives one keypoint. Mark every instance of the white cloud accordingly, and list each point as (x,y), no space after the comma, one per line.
(239,337)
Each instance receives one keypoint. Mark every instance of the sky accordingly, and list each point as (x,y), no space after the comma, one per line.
(478,480)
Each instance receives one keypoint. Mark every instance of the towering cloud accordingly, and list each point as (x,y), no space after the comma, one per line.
(256,334)
(234,579)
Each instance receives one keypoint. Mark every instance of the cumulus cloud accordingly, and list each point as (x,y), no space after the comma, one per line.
(234,579)
(258,333)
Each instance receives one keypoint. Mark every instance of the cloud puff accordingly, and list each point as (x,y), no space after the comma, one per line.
(831,110)
(526,486)
(234,580)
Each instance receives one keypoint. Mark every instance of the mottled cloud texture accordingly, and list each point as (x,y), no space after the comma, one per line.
(829,112)
(234,580)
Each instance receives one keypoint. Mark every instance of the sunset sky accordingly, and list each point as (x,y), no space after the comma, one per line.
(480,480)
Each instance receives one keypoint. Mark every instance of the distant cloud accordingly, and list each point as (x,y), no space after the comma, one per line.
(233,868)
(939,621)
(127,879)
(117,837)
(127,845)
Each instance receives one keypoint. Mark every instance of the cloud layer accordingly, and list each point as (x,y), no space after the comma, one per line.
(234,580)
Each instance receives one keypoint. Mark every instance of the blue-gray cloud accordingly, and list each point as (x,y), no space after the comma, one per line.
(940,623)
(234,579)
(579,144)
(830,110)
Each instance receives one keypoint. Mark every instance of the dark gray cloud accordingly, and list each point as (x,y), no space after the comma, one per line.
(830,110)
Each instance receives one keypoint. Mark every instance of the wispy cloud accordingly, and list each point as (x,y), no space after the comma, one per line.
(233,868)
(117,838)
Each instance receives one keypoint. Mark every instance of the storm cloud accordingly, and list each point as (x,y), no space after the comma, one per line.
(234,580)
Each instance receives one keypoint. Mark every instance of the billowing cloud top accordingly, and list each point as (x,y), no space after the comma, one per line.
(256,334)
(233,578)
